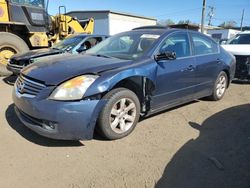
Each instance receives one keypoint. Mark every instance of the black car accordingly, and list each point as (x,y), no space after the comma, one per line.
(73,44)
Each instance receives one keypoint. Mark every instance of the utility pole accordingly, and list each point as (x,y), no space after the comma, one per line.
(242,19)
(210,15)
(203,15)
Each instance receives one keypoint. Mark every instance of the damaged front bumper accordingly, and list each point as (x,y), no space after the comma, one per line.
(242,67)
(73,120)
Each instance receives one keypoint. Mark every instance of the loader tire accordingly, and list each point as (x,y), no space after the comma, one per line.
(10,44)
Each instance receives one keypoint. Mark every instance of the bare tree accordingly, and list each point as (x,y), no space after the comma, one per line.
(166,22)
(228,24)
(184,22)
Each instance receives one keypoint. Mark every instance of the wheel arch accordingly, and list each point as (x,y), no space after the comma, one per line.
(228,76)
(141,84)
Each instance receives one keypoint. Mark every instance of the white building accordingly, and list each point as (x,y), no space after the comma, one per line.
(219,34)
(109,22)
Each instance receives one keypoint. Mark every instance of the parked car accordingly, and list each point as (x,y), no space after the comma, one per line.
(240,47)
(74,44)
(132,74)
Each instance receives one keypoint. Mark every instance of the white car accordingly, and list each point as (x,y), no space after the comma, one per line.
(239,46)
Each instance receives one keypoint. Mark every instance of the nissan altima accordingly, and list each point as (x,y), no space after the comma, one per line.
(132,74)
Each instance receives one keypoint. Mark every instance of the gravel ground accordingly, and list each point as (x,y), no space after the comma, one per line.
(202,144)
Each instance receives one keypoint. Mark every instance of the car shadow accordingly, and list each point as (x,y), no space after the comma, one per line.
(31,136)
(242,82)
(219,157)
(10,80)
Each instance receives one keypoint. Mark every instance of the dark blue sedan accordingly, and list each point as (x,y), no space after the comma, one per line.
(132,74)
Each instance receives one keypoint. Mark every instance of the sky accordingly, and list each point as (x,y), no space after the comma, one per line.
(225,10)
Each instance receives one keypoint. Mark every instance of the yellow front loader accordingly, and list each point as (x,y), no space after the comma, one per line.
(26,24)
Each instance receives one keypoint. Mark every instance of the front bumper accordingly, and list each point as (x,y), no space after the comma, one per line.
(242,67)
(16,69)
(56,119)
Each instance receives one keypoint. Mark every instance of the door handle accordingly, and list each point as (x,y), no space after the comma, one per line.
(218,61)
(190,68)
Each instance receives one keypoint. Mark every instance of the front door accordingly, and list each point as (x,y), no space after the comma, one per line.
(175,82)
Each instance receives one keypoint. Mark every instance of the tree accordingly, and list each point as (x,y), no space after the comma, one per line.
(184,22)
(166,22)
(228,24)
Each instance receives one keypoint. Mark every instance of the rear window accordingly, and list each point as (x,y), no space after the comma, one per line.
(203,45)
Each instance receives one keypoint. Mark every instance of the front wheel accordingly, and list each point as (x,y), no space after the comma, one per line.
(120,115)
(220,87)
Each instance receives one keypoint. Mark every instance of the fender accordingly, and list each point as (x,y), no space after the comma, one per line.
(109,79)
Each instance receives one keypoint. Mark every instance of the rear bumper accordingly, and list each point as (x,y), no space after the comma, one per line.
(59,120)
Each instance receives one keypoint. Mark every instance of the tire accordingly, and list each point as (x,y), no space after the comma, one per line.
(220,87)
(11,44)
(123,121)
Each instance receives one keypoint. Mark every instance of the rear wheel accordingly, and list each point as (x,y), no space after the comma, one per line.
(10,44)
(220,87)
(120,114)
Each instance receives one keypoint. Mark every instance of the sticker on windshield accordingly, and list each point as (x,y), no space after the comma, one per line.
(149,36)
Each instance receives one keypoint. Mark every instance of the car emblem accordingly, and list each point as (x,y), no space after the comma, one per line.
(21,87)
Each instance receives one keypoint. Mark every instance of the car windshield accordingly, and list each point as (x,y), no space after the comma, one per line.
(34,3)
(127,46)
(240,39)
(68,43)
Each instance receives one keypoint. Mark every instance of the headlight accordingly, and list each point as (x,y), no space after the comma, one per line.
(73,89)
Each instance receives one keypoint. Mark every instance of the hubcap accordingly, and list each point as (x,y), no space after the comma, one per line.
(221,86)
(6,53)
(122,115)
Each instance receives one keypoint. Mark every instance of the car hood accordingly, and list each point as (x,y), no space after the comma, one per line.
(237,49)
(53,71)
(35,54)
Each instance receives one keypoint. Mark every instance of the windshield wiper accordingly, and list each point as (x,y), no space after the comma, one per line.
(55,48)
(101,55)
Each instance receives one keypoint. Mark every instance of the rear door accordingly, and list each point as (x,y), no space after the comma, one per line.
(175,80)
(206,52)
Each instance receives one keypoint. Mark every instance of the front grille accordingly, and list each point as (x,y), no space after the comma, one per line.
(19,62)
(29,87)
(242,67)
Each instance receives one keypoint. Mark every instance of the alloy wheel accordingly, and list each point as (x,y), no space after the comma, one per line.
(221,86)
(122,115)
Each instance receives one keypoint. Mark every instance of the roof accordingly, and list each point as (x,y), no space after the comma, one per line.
(113,12)
(150,27)
(153,30)
(186,26)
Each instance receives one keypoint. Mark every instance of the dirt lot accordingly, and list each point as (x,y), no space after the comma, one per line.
(202,144)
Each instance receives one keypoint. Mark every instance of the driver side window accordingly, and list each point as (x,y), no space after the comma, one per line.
(178,43)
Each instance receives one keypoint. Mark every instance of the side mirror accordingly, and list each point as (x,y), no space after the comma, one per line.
(165,56)
(223,41)
(81,49)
